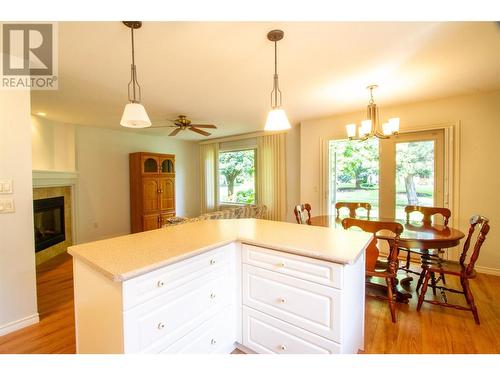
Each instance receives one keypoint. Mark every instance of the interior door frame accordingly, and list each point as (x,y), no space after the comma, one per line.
(451,171)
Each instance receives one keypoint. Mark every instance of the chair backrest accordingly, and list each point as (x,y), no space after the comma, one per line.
(428,212)
(374,227)
(353,206)
(300,213)
(484,225)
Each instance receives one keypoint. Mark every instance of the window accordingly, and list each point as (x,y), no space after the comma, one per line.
(407,169)
(237,177)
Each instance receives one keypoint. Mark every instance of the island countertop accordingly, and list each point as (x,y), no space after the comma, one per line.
(128,256)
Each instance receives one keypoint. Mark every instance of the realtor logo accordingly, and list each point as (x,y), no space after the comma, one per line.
(29,58)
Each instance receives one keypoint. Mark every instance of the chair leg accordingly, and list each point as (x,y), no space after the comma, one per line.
(433,282)
(408,258)
(470,299)
(420,279)
(443,279)
(392,303)
(424,289)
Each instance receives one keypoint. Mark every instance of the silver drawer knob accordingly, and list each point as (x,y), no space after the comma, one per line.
(284,348)
(161,325)
(213,342)
(282,300)
(160,283)
(213,261)
(212,295)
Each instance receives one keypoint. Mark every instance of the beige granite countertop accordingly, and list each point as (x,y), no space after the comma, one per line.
(124,257)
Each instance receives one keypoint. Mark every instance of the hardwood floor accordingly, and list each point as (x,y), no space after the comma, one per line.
(434,330)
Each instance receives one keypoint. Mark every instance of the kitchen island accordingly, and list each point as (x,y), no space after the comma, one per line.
(214,285)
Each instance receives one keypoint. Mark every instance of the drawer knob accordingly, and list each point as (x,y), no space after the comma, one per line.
(212,295)
(213,342)
(282,300)
(213,261)
(161,325)
(160,283)
(283,347)
(281,265)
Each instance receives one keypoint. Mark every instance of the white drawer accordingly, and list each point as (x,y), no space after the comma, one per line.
(265,334)
(152,284)
(216,335)
(163,320)
(304,304)
(319,271)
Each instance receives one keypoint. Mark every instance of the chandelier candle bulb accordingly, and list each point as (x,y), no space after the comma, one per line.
(351,130)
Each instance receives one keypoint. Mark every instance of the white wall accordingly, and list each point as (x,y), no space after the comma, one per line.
(18,306)
(103,187)
(53,145)
(479,117)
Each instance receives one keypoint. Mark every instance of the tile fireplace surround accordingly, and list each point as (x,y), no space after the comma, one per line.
(49,184)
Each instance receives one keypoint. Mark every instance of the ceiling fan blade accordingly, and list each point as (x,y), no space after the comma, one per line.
(175,132)
(193,129)
(204,126)
(162,126)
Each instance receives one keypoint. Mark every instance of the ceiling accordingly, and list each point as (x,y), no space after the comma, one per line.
(221,72)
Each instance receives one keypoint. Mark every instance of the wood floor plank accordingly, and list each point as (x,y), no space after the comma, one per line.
(434,330)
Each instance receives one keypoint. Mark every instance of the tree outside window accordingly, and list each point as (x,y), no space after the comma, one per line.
(237,176)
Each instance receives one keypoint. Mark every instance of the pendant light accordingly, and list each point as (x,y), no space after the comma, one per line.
(370,127)
(134,115)
(276,119)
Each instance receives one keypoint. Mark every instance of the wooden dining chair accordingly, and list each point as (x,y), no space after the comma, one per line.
(352,207)
(459,269)
(300,211)
(385,268)
(428,255)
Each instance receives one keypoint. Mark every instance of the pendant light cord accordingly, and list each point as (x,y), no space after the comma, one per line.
(133,75)
(276,91)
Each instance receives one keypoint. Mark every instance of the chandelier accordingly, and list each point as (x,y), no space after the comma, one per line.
(371,127)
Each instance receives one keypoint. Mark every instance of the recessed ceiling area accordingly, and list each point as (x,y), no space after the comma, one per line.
(221,72)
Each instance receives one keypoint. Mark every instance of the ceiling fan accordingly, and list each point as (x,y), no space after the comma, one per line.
(183,123)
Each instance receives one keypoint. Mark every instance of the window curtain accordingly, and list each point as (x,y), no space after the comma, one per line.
(271,175)
(209,157)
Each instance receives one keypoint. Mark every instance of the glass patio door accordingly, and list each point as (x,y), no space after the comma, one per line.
(407,169)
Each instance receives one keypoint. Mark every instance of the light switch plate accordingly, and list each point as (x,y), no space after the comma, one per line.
(6,186)
(6,205)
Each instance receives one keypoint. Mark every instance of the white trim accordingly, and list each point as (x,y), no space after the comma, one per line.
(239,137)
(487,270)
(18,324)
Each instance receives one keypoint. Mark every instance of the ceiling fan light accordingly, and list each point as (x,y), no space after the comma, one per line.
(135,116)
(277,120)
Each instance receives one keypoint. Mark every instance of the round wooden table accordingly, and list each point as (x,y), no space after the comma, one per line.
(416,235)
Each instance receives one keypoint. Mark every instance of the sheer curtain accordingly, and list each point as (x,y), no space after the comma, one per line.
(271,175)
(209,155)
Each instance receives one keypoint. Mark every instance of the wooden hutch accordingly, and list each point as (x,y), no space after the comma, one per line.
(152,190)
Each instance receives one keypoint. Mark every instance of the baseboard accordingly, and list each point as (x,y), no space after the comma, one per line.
(487,270)
(18,324)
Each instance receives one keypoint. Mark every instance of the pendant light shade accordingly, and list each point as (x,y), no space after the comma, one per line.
(276,119)
(135,116)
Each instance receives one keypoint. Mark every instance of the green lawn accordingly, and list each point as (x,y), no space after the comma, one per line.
(347,193)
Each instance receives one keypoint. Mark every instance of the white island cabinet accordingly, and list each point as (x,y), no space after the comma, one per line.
(245,284)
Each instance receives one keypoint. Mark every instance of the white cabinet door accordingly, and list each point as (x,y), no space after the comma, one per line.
(265,334)
(307,305)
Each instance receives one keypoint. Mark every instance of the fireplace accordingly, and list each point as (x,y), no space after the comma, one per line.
(49,222)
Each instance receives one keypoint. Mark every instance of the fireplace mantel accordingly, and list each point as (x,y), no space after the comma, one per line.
(54,178)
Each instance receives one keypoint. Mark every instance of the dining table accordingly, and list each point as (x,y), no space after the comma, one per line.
(416,235)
